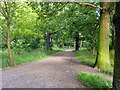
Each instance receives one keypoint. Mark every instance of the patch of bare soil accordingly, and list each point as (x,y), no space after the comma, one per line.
(57,71)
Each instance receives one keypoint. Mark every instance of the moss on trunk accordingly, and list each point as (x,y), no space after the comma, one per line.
(102,60)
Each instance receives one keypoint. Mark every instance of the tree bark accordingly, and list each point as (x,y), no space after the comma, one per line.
(93,48)
(116,76)
(15,45)
(74,43)
(51,43)
(81,44)
(57,44)
(70,45)
(77,42)
(63,44)
(8,43)
(93,45)
(102,60)
(48,41)
(113,38)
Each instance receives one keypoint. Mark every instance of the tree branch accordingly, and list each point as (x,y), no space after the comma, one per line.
(2,10)
(60,8)
(3,37)
(15,19)
(89,5)
(5,30)
(63,6)
(6,7)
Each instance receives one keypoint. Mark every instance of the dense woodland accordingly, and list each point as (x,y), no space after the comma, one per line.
(45,26)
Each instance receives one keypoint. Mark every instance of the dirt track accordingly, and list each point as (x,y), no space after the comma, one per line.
(57,71)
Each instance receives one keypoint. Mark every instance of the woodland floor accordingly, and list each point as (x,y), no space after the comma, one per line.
(56,71)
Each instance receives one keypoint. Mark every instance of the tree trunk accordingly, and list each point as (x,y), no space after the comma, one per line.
(102,60)
(77,42)
(93,49)
(70,45)
(51,43)
(116,76)
(63,44)
(74,43)
(48,41)
(81,44)
(113,38)
(93,45)
(57,44)
(8,44)
(15,45)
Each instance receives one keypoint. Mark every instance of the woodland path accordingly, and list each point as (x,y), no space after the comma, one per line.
(56,71)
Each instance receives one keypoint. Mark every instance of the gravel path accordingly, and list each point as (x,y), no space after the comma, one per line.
(57,71)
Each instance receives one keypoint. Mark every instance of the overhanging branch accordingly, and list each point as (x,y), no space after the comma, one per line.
(89,5)
(3,37)
(61,8)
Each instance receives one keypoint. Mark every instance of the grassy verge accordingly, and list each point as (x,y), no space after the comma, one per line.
(86,57)
(94,81)
(23,57)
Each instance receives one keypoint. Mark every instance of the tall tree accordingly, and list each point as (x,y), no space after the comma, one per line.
(116,76)
(7,12)
(77,41)
(102,60)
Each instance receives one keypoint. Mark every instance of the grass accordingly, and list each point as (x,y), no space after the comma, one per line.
(33,55)
(94,81)
(86,57)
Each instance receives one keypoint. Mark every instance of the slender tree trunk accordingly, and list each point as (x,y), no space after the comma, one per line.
(77,42)
(93,46)
(15,45)
(51,43)
(116,76)
(57,44)
(74,43)
(70,45)
(48,41)
(63,44)
(113,38)
(93,49)
(81,44)
(102,60)
(8,44)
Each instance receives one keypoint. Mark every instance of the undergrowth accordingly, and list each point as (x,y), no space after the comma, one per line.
(24,56)
(86,57)
(94,81)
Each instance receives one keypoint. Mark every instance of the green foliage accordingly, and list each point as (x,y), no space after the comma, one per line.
(94,81)
(24,56)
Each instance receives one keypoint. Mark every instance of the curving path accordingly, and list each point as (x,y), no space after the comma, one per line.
(57,71)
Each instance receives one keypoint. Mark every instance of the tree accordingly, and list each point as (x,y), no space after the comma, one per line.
(8,13)
(102,60)
(116,76)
